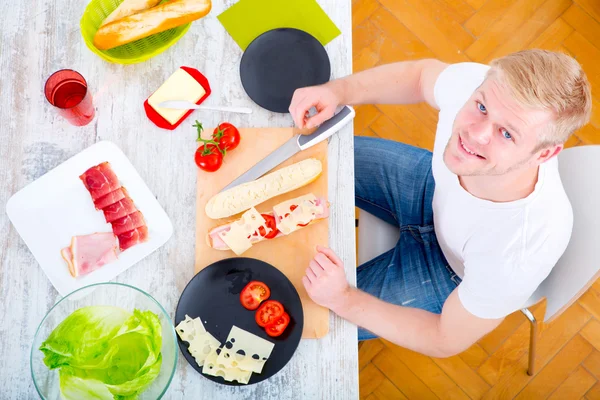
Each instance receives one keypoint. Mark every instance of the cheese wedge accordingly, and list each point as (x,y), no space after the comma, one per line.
(179,86)
(247,195)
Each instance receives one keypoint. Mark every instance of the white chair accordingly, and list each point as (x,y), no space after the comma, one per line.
(575,271)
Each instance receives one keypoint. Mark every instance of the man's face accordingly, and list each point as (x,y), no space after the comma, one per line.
(492,135)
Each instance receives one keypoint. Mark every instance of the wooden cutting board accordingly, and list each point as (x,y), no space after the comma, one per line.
(290,254)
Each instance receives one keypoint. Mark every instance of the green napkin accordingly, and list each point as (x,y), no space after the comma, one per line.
(247,19)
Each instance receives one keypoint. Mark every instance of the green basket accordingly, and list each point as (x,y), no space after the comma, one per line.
(130,53)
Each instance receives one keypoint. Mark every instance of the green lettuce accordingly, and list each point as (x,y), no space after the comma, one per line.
(105,352)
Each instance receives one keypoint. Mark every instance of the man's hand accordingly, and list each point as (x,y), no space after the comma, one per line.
(325,280)
(323,97)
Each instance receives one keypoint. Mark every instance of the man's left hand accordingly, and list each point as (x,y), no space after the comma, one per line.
(325,280)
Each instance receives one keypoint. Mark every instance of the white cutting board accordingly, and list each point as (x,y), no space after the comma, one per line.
(57,206)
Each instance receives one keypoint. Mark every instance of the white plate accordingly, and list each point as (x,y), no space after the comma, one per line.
(57,206)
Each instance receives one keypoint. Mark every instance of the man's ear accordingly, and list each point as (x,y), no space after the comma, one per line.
(549,152)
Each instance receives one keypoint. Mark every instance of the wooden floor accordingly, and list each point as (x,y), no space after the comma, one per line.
(568,360)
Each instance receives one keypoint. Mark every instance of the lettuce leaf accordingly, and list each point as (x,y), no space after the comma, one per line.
(105,351)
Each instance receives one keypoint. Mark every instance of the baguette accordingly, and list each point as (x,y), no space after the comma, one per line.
(148,22)
(247,195)
(129,7)
(286,218)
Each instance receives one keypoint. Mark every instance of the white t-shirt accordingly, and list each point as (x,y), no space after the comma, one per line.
(502,251)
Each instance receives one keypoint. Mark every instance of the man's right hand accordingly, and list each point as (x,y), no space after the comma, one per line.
(323,97)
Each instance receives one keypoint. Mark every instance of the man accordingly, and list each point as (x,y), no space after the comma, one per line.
(482,219)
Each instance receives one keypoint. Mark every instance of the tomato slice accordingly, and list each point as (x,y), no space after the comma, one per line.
(278,326)
(253,294)
(268,312)
(270,222)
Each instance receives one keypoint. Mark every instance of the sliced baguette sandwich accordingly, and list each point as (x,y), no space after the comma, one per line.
(245,196)
(252,227)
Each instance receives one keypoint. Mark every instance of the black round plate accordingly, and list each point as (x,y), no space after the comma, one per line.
(280,61)
(214,296)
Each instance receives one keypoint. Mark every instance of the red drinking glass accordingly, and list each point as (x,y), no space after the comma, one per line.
(67,90)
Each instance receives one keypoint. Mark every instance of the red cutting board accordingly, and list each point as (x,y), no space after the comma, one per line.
(290,254)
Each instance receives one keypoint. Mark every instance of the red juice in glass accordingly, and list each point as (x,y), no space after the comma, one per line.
(67,91)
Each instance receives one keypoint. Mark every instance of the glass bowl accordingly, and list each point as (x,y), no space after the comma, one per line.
(127,297)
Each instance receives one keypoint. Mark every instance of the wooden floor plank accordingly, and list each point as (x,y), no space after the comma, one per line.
(590,300)
(474,356)
(541,19)
(476,4)
(509,353)
(557,370)
(361,10)
(385,128)
(553,36)
(591,332)
(587,26)
(369,378)
(368,350)
(469,381)
(589,134)
(387,391)
(444,19)
(365,115)
(367,57)
(461,9)
(402,377)
(594,392)
(363,35)
(575,386)
(595,120)
(592,364)
(592,7)
(425,30)
(489,13)
(409,123)
(560,331)
(503,29)
(392,28)
(426,369)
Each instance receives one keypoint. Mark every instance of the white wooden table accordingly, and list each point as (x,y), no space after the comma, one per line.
(38,37)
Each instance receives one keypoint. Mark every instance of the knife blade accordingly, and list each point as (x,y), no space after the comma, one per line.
(294,145)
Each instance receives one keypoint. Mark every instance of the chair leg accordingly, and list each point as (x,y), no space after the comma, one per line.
(532,339)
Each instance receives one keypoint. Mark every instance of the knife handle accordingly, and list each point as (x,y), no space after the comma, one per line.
(327,128)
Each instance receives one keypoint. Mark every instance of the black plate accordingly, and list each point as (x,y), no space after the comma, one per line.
(214,296)
(280,61)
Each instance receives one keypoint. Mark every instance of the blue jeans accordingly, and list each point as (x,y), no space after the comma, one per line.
(393,181)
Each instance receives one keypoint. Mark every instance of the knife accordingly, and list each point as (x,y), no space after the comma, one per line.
(294,145)
(188,105)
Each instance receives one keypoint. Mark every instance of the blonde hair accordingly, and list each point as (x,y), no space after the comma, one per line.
(548,80)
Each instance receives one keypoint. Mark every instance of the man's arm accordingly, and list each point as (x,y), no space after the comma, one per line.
(443,335)
(404,82)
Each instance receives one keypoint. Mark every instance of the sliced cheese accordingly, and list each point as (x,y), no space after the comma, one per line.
(213,368)
(245,351)
(179,86)
(304,213)
(247,195)
(284,207)
(238,236)
(199,340)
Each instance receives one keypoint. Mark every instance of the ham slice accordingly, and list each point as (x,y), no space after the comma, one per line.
(128,223)
(100,180)
(119,209)
(87,253)
(133,237)
(110,198)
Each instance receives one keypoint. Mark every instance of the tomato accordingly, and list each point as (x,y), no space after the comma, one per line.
(227,136)
(276,328)
(253,294)
(270,222)
(268,312)
(208,157)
